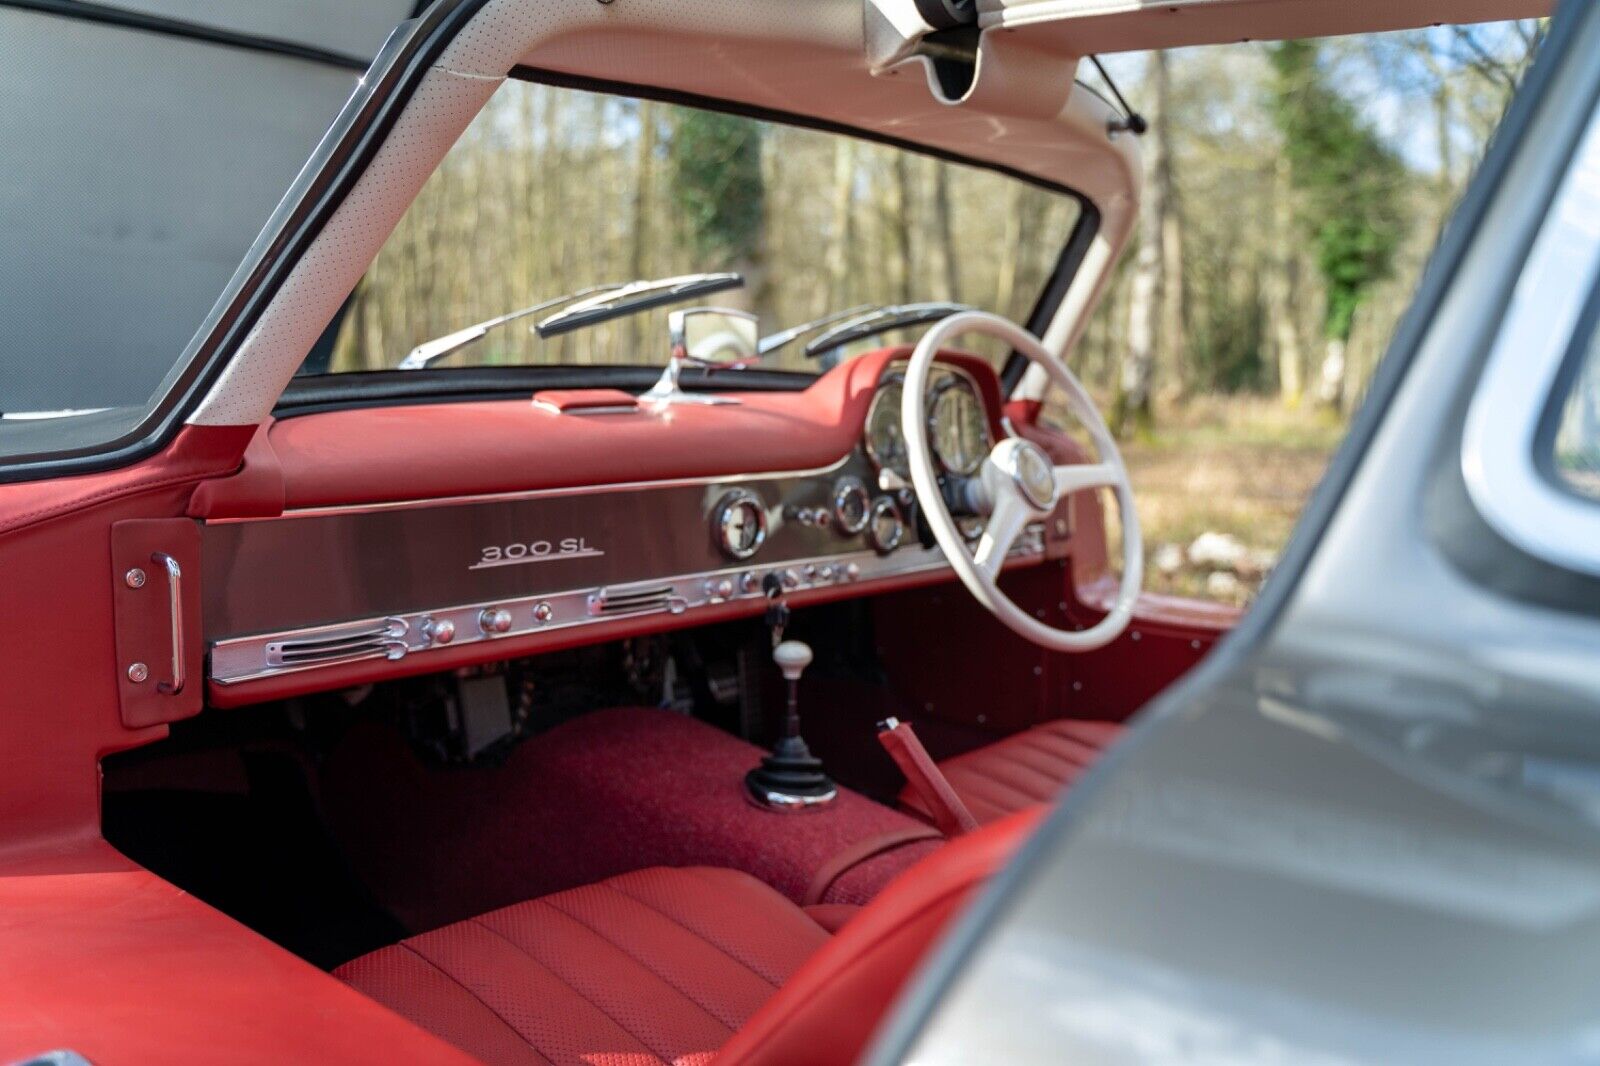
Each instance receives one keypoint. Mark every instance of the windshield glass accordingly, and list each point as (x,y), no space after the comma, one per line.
(556,193)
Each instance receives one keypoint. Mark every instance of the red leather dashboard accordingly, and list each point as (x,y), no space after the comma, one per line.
(384,454)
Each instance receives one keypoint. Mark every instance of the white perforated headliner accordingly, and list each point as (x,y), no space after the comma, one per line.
(807,58)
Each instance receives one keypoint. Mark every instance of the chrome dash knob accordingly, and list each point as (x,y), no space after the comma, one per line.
(439,630)
(494,620)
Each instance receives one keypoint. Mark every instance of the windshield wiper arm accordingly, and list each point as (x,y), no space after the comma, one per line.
(429,352)
(882,320)
(773,341)
(634,297)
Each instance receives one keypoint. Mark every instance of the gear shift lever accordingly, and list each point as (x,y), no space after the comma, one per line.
(791,778)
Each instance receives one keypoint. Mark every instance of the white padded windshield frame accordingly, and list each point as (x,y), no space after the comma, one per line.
(1023,112)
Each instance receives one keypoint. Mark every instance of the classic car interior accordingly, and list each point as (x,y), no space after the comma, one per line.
(462,656)
(574,710)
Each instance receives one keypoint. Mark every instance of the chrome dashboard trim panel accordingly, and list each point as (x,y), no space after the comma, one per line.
(276,575)
(528,494)
(399,636)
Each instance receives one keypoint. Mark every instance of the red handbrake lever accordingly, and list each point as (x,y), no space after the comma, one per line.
(924,775)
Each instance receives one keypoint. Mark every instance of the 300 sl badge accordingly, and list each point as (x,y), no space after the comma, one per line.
(535,551)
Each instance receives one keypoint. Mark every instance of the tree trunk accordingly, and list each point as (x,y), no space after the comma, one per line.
(643,201)
(1330,382)
(1005,284)
(1171,335)
(948,272)
(1174,330)
(1282,290)
(842,235)
(1131,412)
(900,224)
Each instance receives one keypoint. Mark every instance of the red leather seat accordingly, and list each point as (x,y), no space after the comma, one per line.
(1023,770)
(677,966)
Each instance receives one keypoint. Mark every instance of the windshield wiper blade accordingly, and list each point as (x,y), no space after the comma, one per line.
(634,297)
(429,352)
(773,341)
(883,320)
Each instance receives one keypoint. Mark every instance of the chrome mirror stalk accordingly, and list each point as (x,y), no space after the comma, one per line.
(732,344)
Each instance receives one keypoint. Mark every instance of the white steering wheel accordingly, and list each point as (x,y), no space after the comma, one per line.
(1016,485)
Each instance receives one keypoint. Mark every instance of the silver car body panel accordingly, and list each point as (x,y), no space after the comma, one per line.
(1368,830)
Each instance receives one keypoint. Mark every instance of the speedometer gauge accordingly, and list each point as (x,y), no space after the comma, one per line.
(886,442)
(960,427)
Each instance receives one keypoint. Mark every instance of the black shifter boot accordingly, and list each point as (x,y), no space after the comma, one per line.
(791,778)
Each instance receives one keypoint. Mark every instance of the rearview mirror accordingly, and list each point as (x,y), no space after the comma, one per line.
(714,336)
(710,337)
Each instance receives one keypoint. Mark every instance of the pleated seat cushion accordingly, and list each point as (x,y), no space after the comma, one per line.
(660,965)
(1023,770)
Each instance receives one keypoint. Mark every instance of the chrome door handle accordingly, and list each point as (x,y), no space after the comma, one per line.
(175,603)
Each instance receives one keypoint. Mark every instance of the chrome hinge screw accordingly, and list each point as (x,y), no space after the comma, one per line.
(138,673)
(135,578)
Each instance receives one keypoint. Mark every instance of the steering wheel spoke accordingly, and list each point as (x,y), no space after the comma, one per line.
(1000,532)
(1075,477)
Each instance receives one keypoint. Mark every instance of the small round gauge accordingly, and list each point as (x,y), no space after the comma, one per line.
(850,506)
(885,528)
(739,524)
(885,440)
(959,427)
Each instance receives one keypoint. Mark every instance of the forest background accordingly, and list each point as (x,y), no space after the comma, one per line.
(1293,194)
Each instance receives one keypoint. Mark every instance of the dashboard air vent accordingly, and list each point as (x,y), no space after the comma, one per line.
(384,639)
(635,600)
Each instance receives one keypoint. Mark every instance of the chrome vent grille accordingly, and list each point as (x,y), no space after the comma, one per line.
(385,639)
(635,600)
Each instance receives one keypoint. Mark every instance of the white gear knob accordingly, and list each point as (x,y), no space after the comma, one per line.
(792,657)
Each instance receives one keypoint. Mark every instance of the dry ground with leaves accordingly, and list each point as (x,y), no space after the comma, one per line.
(1242,466)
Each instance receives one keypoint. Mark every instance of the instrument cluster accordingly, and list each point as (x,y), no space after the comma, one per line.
(958,424)
(874,503)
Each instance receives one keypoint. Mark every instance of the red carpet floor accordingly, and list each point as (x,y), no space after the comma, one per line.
(609,792)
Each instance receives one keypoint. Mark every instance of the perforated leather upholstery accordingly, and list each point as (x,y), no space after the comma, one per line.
(680,965)
(661,964)
(1023,770)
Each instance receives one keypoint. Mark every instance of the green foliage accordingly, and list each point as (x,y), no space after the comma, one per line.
(1348,182)
(1226,338)
(717,186)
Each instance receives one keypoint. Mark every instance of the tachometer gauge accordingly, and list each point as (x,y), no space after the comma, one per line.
(960,427)
(886,442)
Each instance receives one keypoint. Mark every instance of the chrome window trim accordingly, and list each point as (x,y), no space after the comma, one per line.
(1499,461)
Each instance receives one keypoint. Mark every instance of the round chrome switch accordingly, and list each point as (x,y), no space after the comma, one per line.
(885,528)
(494,620)
(850,505)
